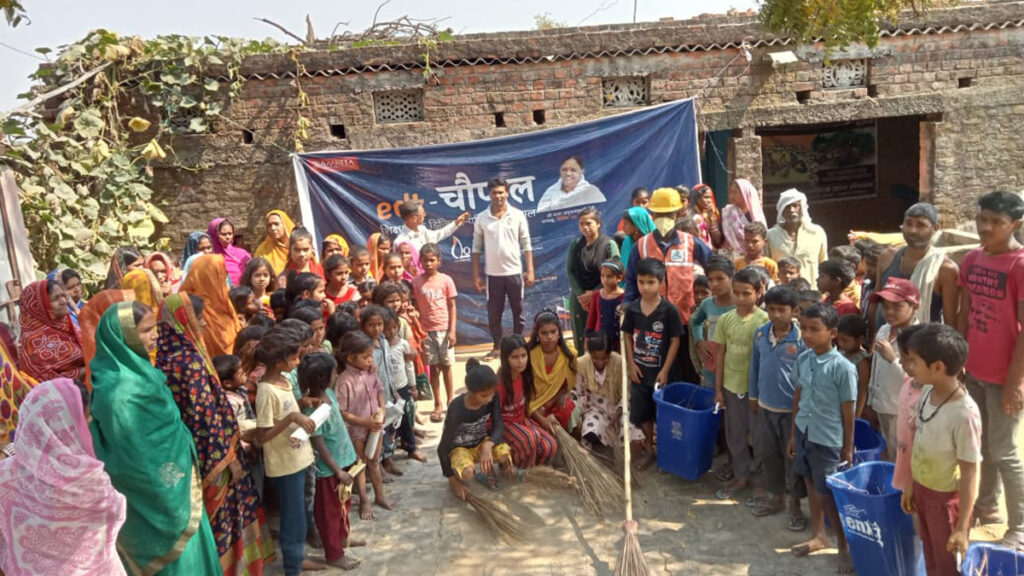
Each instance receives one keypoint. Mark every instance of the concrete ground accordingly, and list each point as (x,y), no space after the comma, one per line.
(683,530)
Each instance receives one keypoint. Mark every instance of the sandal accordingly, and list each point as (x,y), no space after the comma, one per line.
(492,355)
(490,482)
(765,507)
(796,523)
(436,417)
(727,493)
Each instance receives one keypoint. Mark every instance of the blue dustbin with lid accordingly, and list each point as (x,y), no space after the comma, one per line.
(687,429)
(880,534)
(868,443)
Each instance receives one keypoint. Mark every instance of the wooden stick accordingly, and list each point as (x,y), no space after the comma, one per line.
(626,471)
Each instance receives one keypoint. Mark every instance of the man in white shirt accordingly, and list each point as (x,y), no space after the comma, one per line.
(501,233)
(415,233)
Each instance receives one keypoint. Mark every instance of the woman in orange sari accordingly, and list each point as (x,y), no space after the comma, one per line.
(146,287)
(275,246)
(229,495)
(89,321)
(333,244)
(379,246)
(167,274)
(208,279)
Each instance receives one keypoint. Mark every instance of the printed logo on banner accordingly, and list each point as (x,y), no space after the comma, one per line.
(339,164)
(856,523)
(460,252)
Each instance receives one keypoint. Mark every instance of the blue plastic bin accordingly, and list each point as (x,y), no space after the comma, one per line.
(868,443)
(881,536)
(687,429)
(1000,561)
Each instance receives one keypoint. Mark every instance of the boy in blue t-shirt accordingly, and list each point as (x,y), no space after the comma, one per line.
(776,347)
(821,438)
(335,454)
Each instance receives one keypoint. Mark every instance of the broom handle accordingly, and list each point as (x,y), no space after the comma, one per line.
(626,470)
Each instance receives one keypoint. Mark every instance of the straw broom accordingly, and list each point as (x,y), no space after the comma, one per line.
(597,485)
(547,477)
(504,524)
(631,561)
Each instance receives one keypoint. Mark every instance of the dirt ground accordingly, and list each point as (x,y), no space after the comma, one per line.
(683,530)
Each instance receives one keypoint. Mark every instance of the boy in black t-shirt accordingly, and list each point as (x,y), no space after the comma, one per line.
(651,328)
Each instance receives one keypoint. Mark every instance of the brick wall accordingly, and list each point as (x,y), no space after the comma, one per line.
(942,73)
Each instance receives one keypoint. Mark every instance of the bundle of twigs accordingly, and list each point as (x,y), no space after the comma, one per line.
(599,488)
(504,524)
(548,477)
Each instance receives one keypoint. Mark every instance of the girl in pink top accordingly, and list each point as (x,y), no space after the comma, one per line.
(910,394)
(361,401)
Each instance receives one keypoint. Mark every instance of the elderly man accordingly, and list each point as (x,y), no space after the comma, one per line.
(923,264)
(796,236)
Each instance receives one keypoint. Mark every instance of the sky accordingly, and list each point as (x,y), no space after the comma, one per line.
(58,22)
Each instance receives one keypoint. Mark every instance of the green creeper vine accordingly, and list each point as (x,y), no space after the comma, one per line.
(83,159)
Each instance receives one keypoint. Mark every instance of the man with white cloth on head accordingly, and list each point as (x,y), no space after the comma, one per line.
(796,236)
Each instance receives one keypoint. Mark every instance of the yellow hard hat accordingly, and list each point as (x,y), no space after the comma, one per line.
(665,200)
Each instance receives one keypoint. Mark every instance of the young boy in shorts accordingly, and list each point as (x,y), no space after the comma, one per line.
(824,401)
(435,299)
(651,327)
(947,448)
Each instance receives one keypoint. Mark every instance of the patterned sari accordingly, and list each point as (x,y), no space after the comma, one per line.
(59,512)
(138,434)
(14,386)
(49,348)
(146,287)
(239,527)
(207,278)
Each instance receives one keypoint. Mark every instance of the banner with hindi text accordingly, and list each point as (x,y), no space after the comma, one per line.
(357,193)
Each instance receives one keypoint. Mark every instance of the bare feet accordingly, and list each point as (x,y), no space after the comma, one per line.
(420,420)
(312,565)
(845,565)
(313,541)
(420,433)
(353,543)
(805,548)
(492,355)
(391,468)
(385,503)
(417,456)
(346,563)
(386,478)
(365,510)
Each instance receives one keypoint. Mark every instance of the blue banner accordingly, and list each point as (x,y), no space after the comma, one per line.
(357,193)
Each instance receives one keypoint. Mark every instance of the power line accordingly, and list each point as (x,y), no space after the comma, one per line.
(22,52)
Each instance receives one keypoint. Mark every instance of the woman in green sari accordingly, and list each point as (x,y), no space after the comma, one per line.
(148,452)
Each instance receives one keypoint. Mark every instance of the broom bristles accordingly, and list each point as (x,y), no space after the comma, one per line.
(504,524)
(598,487)
(631,560)
(548,477)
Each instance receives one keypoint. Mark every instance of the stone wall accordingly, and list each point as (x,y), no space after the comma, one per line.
(947,65)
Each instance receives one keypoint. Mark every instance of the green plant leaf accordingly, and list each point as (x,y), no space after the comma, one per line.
(89,124)
(211,84)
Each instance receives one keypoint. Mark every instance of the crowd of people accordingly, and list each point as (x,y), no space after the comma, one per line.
(147,428)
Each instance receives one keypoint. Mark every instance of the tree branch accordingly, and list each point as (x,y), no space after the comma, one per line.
(54,93)
(282,29)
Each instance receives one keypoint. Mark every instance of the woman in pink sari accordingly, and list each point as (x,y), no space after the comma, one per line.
(410,260)
(744,207)
(59,512)
(222,235)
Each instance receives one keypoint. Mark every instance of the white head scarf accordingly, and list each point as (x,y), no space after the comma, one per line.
(788,197)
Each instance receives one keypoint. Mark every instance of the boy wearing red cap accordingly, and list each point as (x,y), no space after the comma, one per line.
(900,299)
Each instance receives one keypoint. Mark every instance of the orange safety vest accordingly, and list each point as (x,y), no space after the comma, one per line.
(678,287)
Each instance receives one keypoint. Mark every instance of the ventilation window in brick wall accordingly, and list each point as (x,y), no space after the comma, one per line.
(845,74)
(624,92)
(398,106)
